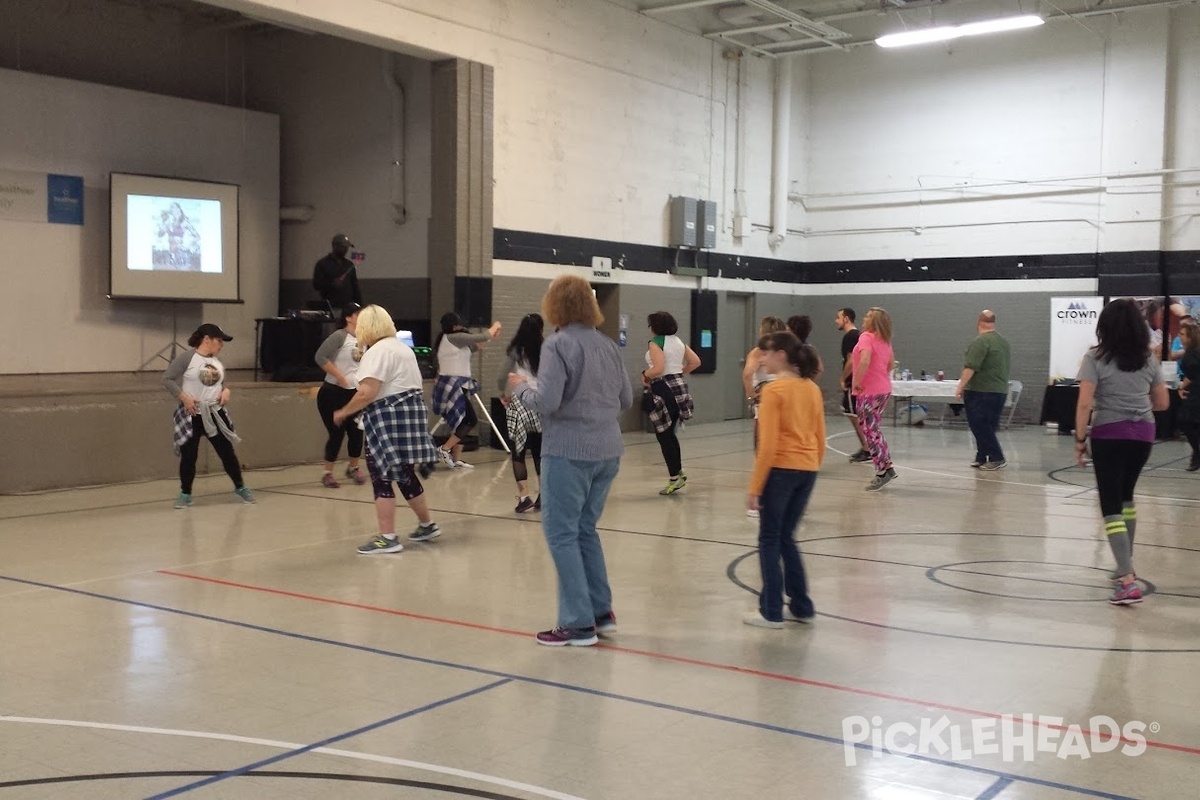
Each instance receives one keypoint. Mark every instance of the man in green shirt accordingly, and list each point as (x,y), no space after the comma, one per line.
(983,388)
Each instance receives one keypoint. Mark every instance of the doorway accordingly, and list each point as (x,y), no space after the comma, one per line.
(737,340)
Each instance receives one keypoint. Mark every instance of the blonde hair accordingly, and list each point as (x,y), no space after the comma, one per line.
(374,323)
(568,301)
(769,325)
(878,322)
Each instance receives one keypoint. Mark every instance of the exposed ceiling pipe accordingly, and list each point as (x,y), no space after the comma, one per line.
(399,138)
(779,157)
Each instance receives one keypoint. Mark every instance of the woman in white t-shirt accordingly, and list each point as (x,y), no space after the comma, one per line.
(196,379)
(336,357)
(668,400)
(395,423)
(453,348)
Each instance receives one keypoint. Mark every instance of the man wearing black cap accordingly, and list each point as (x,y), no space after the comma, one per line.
(334,276)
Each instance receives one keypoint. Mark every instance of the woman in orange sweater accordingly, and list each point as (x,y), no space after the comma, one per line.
(791,424)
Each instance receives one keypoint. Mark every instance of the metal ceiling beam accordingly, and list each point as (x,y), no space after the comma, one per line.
(774,26)
(814,26)
(681,6)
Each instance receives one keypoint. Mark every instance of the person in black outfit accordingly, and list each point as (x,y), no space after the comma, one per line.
(335,278)
(844,320)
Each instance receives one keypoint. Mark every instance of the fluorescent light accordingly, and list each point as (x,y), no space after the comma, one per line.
(946,33)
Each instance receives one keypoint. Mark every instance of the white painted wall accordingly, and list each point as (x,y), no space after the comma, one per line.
(337,137)
(602,114)
(56,276)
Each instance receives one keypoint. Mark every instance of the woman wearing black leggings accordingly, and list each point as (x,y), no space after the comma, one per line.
(1120,388)
(668,401)
(338,356)
(524,425)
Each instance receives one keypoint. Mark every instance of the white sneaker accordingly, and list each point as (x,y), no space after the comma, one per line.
(750,512)
(756,619)
(462,465)
(445,457)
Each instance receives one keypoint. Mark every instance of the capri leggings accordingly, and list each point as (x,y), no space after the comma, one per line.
(409,483)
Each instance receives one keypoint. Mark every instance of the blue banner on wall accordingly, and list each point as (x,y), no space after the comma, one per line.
(64,199)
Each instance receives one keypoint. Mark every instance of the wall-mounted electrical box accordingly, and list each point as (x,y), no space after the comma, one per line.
(683,222)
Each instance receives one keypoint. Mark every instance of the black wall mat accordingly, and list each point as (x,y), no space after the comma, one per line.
(473,301)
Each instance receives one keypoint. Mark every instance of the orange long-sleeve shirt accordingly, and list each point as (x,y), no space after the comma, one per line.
(791,429)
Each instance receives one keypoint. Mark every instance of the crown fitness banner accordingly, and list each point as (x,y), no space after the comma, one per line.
(38,197)
(1072,332)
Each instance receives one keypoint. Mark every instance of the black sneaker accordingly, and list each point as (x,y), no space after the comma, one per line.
(537,504)
(860,457)
(882,480)
(425,470)
(523,504)
(1195,465)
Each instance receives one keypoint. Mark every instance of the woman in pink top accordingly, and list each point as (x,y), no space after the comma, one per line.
(872,387)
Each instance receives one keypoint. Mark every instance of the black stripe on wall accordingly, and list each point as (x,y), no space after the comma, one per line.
(1144,272)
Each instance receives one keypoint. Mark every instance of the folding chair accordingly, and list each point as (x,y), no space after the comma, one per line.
(1014,395)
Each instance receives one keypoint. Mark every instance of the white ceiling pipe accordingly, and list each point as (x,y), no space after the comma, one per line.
(779,157)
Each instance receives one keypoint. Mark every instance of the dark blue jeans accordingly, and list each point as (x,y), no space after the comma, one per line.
(783,501)
(983,415)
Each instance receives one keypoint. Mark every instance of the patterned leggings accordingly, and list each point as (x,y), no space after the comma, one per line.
(870,416)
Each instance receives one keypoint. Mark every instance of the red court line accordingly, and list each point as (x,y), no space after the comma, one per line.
(776,676)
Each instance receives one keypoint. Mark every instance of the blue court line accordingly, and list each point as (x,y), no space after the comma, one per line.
(234,773)
(995,789)
(809,735)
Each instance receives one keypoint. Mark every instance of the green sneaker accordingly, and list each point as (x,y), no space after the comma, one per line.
(675,485)
(245,494)
(183,501)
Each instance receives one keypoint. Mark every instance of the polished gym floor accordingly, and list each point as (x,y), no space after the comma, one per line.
(233,651)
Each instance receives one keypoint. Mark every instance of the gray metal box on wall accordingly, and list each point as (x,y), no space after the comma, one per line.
(706,223)
(683,222)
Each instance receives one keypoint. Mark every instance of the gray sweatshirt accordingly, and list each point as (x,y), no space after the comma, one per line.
(581,391)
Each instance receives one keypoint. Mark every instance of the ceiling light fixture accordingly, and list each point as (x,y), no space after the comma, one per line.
(946,33)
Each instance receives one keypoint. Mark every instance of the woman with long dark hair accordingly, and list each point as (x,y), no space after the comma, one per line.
(451,393)
(336,356)
(524,425)
(196,379)
(669,402)
(1120,388)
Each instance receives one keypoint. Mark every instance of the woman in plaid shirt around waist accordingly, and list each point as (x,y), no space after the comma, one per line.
(668,400)
(394,419)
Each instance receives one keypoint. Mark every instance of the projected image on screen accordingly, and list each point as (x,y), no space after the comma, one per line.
(173,239)
(175,234)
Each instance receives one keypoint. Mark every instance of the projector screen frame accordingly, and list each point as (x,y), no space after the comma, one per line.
(229,194)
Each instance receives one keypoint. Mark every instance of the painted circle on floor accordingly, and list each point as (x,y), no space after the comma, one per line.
(1057,582)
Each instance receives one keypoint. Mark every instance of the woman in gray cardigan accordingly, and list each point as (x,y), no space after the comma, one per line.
(581,390)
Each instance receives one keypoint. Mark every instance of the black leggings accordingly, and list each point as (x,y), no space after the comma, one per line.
(190,451)
(1191,429)
(331,397)
(469,423)
(407,480)
(1118,464)
(668,442)
(533,447)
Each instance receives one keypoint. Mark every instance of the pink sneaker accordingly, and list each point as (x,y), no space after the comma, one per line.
(355,474)
(330,482)
(1126,594)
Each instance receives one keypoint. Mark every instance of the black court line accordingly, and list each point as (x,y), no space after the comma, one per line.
(309,776)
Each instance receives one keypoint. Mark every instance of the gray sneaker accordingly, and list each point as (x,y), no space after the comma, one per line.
(244,493)
(861,457)
(882,480)
(993,466)
(183,501)
(424,533)
(380,544)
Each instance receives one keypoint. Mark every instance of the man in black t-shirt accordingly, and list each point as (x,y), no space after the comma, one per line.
(335,277)
(844,320)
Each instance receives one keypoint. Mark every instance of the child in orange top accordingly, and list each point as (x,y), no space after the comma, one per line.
(791,424)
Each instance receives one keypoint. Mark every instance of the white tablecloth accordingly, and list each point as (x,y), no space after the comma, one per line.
(943,389)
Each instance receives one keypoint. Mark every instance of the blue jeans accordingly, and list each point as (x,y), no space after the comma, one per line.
(983,415)
(783,501)
(573,495)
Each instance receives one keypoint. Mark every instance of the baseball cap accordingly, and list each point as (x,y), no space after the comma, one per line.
(209,329)
(342,238)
